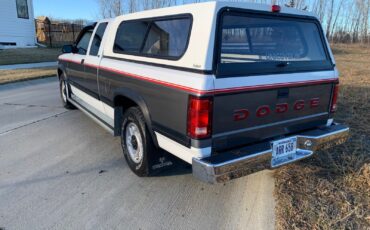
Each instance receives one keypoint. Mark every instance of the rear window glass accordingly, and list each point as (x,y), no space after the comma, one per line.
(165,38)
(251,45)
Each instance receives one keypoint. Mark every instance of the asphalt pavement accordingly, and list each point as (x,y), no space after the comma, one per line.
(60,170)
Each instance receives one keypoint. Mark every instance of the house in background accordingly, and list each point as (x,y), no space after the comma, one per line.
(17,24)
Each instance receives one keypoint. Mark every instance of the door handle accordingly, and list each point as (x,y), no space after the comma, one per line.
(82,61)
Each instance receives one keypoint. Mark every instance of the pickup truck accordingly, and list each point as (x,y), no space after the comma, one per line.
(230,88)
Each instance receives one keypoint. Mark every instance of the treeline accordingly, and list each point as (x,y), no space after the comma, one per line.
(344,21)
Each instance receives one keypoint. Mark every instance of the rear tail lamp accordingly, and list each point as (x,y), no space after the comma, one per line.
(199,117)
(334,99)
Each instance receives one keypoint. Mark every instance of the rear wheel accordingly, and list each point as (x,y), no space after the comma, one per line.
(136,141)
(64,94)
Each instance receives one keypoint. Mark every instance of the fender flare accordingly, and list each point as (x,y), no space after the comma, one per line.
(62,68)
(137,99)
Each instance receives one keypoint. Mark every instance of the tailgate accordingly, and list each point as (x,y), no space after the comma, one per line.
(275,50)
(252,116)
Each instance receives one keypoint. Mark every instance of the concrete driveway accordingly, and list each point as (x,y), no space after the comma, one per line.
(60,170)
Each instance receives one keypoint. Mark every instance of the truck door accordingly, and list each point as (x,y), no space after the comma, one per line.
(76,69)
(85,70)
(92,61)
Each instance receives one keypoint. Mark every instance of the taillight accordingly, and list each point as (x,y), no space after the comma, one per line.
(334,99)
(199,117)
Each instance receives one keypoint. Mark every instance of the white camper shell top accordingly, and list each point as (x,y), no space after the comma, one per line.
(199,53)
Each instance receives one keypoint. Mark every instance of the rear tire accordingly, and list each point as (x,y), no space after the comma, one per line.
(136,142)
(64,94)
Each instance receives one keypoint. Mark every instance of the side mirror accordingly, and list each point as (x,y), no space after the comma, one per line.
(69,49)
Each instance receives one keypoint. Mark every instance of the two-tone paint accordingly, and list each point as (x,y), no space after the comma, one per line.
(104,85)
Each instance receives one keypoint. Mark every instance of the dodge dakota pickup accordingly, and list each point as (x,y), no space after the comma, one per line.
(230,88)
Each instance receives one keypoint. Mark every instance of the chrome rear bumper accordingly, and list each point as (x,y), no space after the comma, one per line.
(244,161)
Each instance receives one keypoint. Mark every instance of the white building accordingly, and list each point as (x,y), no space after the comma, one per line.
(17,24)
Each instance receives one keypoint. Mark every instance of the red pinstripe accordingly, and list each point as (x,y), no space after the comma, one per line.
(210,92)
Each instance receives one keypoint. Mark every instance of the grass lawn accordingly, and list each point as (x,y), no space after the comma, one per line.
(7,76)
(28,55)
(332,190)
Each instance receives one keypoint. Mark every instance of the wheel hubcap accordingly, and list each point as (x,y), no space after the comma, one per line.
(134,143)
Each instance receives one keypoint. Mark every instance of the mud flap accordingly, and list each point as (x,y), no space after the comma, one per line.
(161,161)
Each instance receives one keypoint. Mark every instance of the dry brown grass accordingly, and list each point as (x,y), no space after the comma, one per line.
(7,76)
(332,190)
(29,55)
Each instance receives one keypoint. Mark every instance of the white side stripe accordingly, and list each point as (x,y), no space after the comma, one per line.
(99,108)
(182,152)
(88,99)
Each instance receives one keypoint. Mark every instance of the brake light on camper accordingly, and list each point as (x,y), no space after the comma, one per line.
(276,8)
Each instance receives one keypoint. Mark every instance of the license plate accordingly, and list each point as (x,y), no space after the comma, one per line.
(283,148)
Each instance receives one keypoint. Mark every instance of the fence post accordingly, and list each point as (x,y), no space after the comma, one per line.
(37,39)
(73,32)
(50,39)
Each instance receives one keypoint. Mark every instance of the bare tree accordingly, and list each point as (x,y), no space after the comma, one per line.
(344,20)
(365,20)
(319,7)
(291,3)
(110,8)
(299,4)
(339,8)
(330,18)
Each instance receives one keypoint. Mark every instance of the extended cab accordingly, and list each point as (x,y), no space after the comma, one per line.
(230,88)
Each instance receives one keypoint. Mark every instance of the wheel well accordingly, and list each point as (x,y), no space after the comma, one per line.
(124,102)
(121,103)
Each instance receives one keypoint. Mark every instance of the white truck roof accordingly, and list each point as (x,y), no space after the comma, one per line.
(199,54)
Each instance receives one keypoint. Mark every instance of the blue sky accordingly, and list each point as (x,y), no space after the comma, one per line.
(67,9)
(73,9)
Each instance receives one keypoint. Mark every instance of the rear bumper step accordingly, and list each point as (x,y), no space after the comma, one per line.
(244,161)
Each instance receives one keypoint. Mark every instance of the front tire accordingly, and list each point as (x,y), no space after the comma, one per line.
(136,141)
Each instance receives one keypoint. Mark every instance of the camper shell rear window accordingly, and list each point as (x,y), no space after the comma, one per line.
(253,43)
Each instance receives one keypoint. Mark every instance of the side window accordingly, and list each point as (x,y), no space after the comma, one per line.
(98,37)
(167,38)
(130,37)
(162,38)
(83,44)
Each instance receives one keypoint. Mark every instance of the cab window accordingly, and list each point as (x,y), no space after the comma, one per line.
(98,37)
(83,44)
